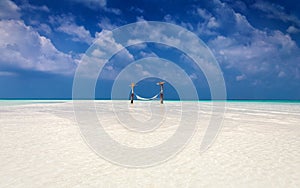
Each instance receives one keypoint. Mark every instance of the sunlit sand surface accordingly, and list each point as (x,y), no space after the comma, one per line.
(258,146)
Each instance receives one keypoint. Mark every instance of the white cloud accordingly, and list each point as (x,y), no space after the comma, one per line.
(181,39)
(144,54)
(40,27)
(293,30)
(193,76)
(136,9)
(44,28)
(237,5)
(208,23)
(263,52)
(21,46)
(106,24)
(30,7)
(212,23)
(168,18)
(276,11)
(240,46)
(66,24)
(159,68)
(203,30)
(98,4)
(6,73)
(9,10)
(113,10)
(106,40)
(121,59)
(281,74)
(240,77)
(79,33)
(98,55)
(204,13)
(93,4)
(140,19)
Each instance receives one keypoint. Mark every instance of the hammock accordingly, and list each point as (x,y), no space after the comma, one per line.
(147,99)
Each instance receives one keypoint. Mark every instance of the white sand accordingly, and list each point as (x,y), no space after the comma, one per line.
(258,146)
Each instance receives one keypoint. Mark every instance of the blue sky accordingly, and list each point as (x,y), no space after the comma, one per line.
(256,43)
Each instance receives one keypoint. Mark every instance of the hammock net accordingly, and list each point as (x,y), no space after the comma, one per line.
(147,99)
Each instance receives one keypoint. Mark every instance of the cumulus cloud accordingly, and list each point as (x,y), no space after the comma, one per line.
(21,46)
(263,52)
(67,24)
(208,23)
(240,46)
(9,10)
(100,52)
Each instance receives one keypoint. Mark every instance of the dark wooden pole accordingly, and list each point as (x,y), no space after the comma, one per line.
(161,92)
(132,92)
(161,98)
(131,98)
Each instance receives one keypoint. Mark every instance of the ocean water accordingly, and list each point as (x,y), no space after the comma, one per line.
(258,145)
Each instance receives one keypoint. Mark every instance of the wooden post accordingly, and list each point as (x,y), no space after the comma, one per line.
(161,91)
(132,92)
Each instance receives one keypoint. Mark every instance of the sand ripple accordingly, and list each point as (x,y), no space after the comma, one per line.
(259,146)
